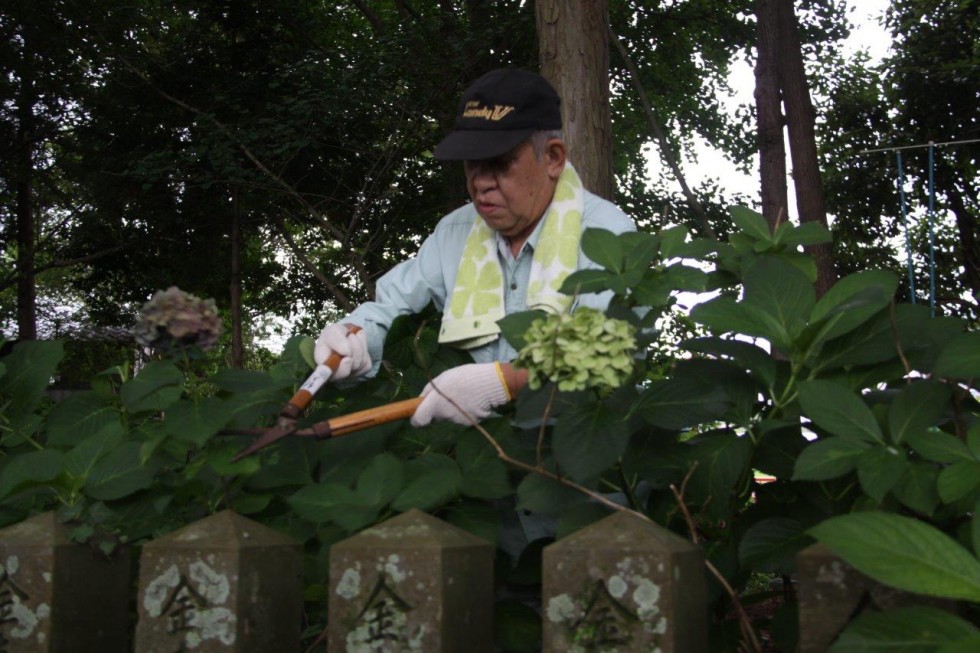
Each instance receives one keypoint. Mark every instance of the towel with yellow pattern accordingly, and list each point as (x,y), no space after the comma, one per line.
(477,301)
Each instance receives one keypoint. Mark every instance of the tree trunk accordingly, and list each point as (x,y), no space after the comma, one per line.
(573,44)
(968,229)
(26,225)
(235,290)
(800,119)
(769,115)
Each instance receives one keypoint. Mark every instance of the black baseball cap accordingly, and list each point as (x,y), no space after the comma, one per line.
(498,112)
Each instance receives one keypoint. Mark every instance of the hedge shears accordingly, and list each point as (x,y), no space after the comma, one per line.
(286,422)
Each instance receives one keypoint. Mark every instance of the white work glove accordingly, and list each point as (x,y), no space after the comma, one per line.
(476,388)
(352,346)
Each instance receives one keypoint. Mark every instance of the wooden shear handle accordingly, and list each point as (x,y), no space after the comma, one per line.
(364,419)
(304,396)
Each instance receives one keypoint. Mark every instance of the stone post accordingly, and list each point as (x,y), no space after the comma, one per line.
(59,596)
(830,593)
(624,584)
(412,583)
(225,583)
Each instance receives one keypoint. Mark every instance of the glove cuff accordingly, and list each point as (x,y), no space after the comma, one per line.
(503,381)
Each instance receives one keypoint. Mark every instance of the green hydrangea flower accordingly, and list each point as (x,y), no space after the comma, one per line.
(581,350)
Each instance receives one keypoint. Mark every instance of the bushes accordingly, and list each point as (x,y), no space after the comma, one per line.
(864,411)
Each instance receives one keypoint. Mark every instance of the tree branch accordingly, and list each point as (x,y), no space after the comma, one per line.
(371,16)
(54,265)
(658,132)
(339,295)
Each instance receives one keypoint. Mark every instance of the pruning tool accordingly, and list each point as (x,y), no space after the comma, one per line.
(286,423)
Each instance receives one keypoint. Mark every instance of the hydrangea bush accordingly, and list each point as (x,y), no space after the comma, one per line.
(886,472)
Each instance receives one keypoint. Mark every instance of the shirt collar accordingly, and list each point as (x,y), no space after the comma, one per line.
(532,240)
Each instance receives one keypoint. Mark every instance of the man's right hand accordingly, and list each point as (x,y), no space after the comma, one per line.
(351,346)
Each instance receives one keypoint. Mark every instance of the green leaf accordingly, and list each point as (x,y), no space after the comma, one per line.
(291,465)
(583,282)
(306,350)
(30,368)
(969,644)
(77,417)
(751,223)
(880,469)
(960,358)
(770,545)
(239,381)
(156,387)
(917,489)
(195,422)
(544,495)
(723,462)
(904,553)
(119,474)
(918,407)
(80,461)
(975,528)
(30,469)
(640,248)
(319,502)
(429,491)
(838,410)
(673,242)
(589,439)
(973,440)
(750,357)
(381,481)
(484,475)
(516,627)
(828,458)
(939,446)
(250,504)
(19,429)
(578,516)
(808,233)
(480,519)
(783,293)
(250,407)
(675,404)
(221,456)
(958,480)
(685,278)
(918,629)
(725,315)
(853,300)
(604,248)
(875,341)
(514,326)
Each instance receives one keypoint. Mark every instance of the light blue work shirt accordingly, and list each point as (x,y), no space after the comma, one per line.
(431,276)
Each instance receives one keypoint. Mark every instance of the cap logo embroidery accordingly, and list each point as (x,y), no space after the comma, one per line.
(498,112)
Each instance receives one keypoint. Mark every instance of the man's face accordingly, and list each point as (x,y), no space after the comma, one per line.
(512,191)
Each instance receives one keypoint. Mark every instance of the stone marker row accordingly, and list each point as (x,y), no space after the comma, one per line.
(412,583)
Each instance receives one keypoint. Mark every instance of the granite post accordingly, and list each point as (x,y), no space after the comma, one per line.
(225,583)
(624,584)
(412,583)
(831,593)
(60,596)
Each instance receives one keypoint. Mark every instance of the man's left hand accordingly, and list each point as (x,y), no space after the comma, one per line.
(463,394)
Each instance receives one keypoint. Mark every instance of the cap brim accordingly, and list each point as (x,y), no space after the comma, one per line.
(475,145)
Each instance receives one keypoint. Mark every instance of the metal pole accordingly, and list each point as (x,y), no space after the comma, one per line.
(905,226)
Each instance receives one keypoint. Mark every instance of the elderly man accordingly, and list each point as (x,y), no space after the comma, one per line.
(507,251)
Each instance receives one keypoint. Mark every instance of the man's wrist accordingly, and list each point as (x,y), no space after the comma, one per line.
(514,379)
